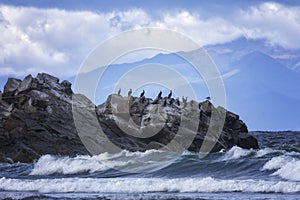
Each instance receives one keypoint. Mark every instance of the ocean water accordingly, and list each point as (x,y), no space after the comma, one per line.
(272,172)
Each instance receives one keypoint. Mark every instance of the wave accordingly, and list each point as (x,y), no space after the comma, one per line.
(286,167)
(49,164)
(139,185)
(136,162)
(141,162)
(237,153)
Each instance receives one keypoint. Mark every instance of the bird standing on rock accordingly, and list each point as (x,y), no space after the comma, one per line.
(129,92)
(178,101)
(119,91)
(170,94)
(159,95)
(142,94)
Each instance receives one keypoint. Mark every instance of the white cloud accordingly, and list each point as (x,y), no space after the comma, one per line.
(57,41)
(204,31)
(52,40)
(279,24)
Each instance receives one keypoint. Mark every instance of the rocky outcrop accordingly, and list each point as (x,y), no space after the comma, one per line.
(166,116)
(36,118)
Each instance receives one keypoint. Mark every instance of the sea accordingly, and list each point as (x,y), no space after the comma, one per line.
(271,172)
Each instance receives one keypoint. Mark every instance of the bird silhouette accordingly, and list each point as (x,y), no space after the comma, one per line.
(208,98)
(178,101)
(170,94)
(159,94)
(130,92)
(142,94)
(119,91)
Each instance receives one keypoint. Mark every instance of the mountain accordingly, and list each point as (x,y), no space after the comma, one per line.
(262,85)
(225,54)
(258,77)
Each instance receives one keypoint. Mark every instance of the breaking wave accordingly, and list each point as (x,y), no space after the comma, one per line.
(286,167)
(138,185)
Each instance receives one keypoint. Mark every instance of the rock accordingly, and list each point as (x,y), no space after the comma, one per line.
(43,77)
(167,119)
(66,84)
(11,85)
(206,107)
(247,141)
(48,81)
(25,84)
(10,89)
(36,118)
(27,128)
(67,87)
(154,145)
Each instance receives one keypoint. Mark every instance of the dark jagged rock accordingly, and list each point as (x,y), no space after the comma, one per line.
(36,118)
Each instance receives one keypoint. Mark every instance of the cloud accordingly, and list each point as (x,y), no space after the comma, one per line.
(52,40)
(278,24)
(57,41)
(203,31)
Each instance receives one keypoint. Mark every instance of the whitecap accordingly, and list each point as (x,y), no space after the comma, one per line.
(265,151)
(49,164)
(124,160)
(286,167)
(139,185)
(236,153)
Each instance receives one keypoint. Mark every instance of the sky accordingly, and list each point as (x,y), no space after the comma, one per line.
(55,36)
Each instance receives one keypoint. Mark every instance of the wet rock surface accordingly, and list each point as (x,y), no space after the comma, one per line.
(36,118)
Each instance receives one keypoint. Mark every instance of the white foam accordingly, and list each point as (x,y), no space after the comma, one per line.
(138,185)
(49,164)
(287,167)
(236,153)
(263,152)
(135,161)
(276,163)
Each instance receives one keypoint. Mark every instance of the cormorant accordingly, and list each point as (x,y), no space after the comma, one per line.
(178,101)
(184,99)
(170,94)
(159,95)
(129,92)
(119,91)
(142,94)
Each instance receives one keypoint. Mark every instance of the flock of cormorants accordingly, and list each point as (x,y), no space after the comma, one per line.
(156,100)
